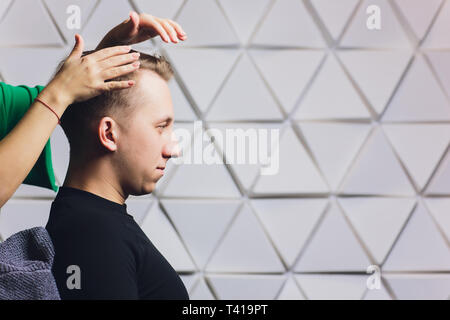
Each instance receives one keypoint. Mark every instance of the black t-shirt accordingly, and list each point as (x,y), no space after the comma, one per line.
(116,260)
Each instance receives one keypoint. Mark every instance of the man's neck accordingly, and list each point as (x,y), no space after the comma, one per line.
(96,179)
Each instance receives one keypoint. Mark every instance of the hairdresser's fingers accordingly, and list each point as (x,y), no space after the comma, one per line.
(118,85)
(77,50)
(120,71)
(118,60)
(169,29)
(180,32)
(109,52)
(152,23)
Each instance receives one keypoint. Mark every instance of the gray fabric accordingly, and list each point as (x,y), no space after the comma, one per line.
(26,260)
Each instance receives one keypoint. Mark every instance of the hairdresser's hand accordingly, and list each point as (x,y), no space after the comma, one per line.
(141,27)
(81,78)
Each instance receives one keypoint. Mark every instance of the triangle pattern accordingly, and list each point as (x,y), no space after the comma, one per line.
(237,99)
(189,281)
(332,96)
(245,248)
(259,134)
(419,16)
(333,247)
(419,97)
(163,9)
(382,177)
(244,15)
(335,150)
(36,29)
(181,107)
(166,240)
(332,287)
(335,14)
(419,146)
(214,29)
(440,183)
(296,171)
(438,35)
(289,222)
(297,30)
(377,294)
(4,5)
(64,20)
(420,286)
(43,62)
(290,291)
(139,208)
(390,34)
(286,79)
(104,18)
(377,73)
(201,291)
(190,218)
(440,62)
(245,287)
(378,221)
(200,72)
(439,208)
(428,252)
(197,169)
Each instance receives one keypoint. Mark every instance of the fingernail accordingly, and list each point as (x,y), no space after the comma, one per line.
(136,64)
(130,83)
(136,55)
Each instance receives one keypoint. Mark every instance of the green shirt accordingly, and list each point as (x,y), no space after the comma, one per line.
(14,103)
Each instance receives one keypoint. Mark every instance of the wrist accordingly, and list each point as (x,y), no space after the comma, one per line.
(56,97)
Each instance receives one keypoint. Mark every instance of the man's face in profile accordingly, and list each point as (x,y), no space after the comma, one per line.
(146,143)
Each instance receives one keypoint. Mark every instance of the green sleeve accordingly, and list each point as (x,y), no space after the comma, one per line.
(14,103)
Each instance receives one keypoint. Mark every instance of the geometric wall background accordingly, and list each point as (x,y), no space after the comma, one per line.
(364,116)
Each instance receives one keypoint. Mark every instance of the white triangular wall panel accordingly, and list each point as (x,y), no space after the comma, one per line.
(18,215)
(245,248)
(377,294)
(420,286)
(333,247)
(201,291)
(237,99)
(296,171)
(4,5)
(419,146)
(190,218)
(290,291)
(429,252)
(31,30)
(189,281)
(287,79)
(377,171)
(161,9)
(181,106)
(440,209)
(139,208)
(164,237)
(440,63)
(65,14)
(245,287)
(418,15)
(297,30)
(289,222)
(104,18)
(60,154)
(419,97)
(331,96)
(377,73)
(214,29)
(200,72)
(437,37)
(390,34)
(334,145)
(335,14)
(244,15)
(378,221)
(332,287)
(440,182)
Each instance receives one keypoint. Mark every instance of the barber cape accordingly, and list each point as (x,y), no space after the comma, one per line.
(26,260)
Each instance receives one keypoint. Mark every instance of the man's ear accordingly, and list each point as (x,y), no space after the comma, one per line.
(108,133)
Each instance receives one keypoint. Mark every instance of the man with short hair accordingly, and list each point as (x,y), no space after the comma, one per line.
(120,143)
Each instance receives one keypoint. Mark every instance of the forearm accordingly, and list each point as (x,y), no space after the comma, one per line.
(21,148)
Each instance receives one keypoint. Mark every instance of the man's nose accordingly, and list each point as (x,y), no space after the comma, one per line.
(172,150)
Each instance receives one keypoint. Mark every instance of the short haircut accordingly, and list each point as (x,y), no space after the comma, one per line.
(81,118)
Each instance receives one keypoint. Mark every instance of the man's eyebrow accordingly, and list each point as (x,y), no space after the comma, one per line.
(167,119)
